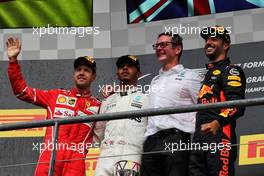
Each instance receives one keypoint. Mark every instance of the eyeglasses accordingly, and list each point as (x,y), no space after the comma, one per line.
(162,45)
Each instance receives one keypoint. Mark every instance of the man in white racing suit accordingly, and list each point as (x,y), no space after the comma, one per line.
(126,136)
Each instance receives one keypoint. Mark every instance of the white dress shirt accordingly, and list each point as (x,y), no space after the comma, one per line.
(175,87)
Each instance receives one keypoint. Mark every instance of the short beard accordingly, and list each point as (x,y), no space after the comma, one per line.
(213,56)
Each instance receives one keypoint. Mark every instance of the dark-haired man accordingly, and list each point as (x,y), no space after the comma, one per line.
(216,127)
(122,138)
(174,86)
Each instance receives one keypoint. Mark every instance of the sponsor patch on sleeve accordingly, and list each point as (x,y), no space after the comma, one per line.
(234,83)
(234,72)
(234,78)
(216,72)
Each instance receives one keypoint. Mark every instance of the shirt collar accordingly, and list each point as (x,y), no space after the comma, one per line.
(176,69)
(214,65)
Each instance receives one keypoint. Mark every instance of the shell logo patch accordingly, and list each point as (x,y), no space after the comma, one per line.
(62,99)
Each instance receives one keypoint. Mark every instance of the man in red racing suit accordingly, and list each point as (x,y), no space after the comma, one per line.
(73,139)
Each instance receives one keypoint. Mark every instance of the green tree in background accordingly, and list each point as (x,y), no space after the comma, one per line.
(38,13)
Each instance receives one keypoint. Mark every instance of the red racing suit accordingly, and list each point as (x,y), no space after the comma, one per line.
(73,139)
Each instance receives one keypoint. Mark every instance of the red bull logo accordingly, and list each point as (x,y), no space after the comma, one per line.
(226,112)
(205,90)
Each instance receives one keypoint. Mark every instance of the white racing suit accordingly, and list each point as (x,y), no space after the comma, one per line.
(125,136)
